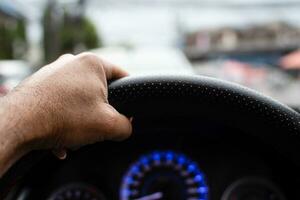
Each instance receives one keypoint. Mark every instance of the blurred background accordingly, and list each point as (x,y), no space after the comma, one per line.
(255,43)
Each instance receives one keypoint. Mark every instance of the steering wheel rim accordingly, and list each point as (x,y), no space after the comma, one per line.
(240,107)
(178,96)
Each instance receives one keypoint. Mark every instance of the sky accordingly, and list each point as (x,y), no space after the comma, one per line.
(159,22)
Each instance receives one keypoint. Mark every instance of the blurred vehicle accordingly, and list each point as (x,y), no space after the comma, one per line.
(291,61)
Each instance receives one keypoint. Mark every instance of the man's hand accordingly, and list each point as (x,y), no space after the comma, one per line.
(63,105)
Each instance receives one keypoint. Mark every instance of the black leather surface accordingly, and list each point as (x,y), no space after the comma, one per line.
(201,97)
(203,91)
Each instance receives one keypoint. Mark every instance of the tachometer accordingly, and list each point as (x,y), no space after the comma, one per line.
(253,188)
(164,175)
(77,192)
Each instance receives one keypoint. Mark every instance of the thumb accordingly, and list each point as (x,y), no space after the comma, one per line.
(116,126)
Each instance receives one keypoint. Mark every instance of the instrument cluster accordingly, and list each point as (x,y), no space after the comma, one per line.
(180,168)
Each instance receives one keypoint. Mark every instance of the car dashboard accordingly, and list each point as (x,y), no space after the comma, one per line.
(209,162)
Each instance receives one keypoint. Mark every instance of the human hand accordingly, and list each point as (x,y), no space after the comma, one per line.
(64,105)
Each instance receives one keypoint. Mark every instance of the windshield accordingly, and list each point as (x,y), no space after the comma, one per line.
(254,43)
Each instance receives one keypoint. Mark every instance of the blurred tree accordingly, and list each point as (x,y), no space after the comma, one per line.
(51,24)
(13,41)
(78,34)
(70,32)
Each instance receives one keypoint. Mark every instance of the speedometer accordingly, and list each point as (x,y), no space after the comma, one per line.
(164,175)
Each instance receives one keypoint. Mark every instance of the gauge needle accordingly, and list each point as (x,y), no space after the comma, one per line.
(154,196)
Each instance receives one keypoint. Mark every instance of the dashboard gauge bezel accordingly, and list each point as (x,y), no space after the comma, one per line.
(185,168)
(257,181)
(87,188)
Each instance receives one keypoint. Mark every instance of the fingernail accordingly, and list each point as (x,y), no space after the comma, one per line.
(131,119)
(60,153)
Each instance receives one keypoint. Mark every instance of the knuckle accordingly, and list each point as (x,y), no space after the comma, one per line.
(92,61)
(68,55)
(90,58)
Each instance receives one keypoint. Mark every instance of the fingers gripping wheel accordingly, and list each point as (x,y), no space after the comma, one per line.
(196,96)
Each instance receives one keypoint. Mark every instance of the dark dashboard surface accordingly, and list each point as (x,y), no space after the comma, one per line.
(234,165)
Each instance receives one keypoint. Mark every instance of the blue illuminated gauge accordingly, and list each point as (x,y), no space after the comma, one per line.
(164,175)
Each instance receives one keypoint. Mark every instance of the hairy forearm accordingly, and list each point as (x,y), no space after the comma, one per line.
(17,120)
(11,147)
(10,152)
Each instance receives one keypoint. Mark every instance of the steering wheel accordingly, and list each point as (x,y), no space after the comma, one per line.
(185,97)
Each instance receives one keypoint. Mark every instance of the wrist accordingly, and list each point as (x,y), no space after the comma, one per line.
(28,119)
(12,144)
(10,121)
(26,124)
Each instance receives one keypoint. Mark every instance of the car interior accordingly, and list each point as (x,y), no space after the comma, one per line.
(206,125)
(194,138)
